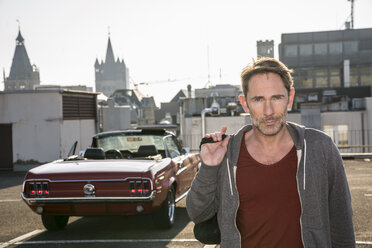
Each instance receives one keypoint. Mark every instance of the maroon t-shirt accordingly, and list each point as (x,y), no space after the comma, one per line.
(270,209)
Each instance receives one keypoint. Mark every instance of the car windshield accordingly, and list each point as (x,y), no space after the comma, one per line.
(130,142)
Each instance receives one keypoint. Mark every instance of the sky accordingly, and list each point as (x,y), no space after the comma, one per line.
(166,44)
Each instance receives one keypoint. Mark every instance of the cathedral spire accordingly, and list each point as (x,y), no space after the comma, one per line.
(109,53)
(22,74)
(19,39)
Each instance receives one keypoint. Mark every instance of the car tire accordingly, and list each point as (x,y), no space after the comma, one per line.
(54,222)
(165,217)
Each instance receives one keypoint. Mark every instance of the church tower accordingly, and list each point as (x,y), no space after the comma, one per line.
(111,75)
(23,75)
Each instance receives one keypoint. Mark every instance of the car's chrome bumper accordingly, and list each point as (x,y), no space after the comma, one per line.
(87,200)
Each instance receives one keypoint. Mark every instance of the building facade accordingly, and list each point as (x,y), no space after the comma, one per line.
(329,66)
(39,126)
(265,48)
(23,75)
(111,75)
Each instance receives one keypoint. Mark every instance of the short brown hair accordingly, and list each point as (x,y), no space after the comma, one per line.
(263,66)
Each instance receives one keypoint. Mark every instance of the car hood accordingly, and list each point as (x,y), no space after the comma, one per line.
(98,166)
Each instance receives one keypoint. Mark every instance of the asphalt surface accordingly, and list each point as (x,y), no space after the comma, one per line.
(20,227)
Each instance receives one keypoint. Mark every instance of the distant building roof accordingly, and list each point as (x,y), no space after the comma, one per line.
(21,68)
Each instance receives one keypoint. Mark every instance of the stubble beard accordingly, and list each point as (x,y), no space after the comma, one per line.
(259,124)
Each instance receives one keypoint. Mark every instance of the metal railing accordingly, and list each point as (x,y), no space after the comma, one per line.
(357,141)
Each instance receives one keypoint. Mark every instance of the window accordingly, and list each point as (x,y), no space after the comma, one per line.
(172,147)
(335,48)
(365,45)
(338,133)
(307,79)
(353,77)
(350,46)
(365,75)
(320,48)
(334,78)
(366,80)
(306,49)
(290,50)
(321,78)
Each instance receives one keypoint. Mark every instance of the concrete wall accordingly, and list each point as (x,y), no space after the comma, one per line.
(39,131)
(76,130)
(35,119)
(116,117)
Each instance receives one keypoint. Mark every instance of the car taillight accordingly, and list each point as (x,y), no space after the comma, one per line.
(32,190)
(146,187)
(38,189)
(46,188)
(139,188)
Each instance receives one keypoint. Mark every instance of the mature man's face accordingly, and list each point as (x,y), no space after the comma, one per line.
(267,102)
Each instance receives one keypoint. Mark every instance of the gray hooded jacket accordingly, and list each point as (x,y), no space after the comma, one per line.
(326,217)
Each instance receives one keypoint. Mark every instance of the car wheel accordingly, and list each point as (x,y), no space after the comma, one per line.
(164,218)
(54,222)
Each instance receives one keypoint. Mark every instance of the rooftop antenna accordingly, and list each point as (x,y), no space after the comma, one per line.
(209,75)
(352,13)
(220,75)
(108,30)
(19,24)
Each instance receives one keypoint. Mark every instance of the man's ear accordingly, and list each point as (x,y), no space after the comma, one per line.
(243,102)
(291,99)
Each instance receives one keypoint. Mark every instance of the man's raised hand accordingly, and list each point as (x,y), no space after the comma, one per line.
(212,154)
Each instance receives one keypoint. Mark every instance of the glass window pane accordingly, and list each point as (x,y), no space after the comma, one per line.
(172,147)
(321,78)
(342,134)
(307,79)
(366,79)
(307,83)
(365,70)
(321,72)
(328,129)
(306,49)
(320,48)
(350,46)
(335,48)
(321,82)
(334,72)
(335,81)
(353,77)
(353,80)
(290,50)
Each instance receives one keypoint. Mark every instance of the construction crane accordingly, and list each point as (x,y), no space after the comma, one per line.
(169,80)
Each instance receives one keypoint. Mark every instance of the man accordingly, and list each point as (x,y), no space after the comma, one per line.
(273,183)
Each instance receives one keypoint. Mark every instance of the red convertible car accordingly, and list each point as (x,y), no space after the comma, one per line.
(123,173)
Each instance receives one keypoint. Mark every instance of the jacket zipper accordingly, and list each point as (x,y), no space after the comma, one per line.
(228,171)
(232,193)
(299,155)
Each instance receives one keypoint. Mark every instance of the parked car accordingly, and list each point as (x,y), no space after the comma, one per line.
(144,171)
